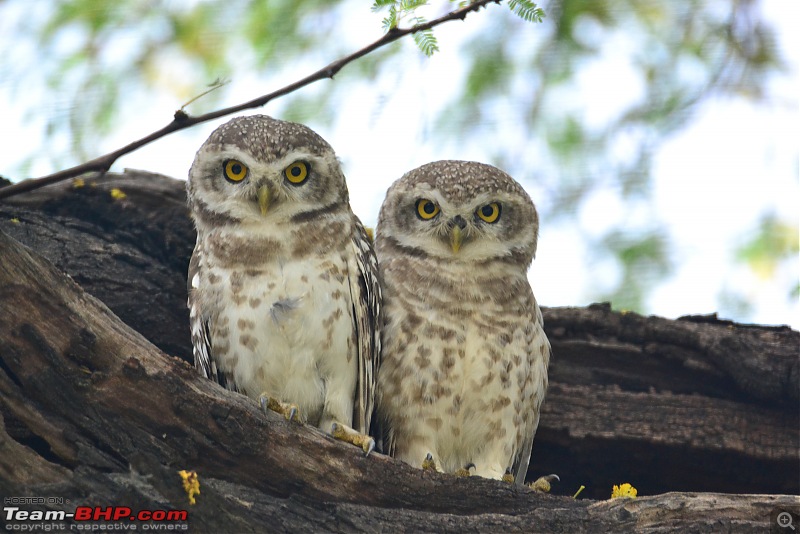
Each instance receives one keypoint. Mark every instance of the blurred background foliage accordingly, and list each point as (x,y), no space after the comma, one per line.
(101,57)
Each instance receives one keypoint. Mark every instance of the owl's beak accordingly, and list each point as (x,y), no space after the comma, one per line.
(456,233)
(455,239)
(264,197)
(457,226)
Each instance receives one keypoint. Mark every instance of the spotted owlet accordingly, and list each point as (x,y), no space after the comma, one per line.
(464,371)
(283,284)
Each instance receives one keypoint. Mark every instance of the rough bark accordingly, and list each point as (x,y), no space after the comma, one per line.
(92,411)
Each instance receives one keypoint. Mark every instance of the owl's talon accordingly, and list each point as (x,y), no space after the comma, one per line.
(508,476)
(429,464)
(464,471)
(542,484)
(289,410)
(370,447)
(348,435)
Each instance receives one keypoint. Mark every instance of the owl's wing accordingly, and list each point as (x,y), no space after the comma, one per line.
(365,292)
(198,322)
(540,350)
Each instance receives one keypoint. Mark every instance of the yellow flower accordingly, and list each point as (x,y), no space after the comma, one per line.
(623,490)
(117,194)
(78,183)
(15,220)
(191,484)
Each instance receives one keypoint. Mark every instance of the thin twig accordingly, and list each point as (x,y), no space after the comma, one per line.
(182,120)
(218,83)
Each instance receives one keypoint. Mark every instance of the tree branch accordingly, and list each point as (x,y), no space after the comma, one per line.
(93,413)
(695,404)
(182,120)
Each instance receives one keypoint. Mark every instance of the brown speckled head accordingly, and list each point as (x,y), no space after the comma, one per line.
(491,213)
(457,180)
(266,138)
(262,150)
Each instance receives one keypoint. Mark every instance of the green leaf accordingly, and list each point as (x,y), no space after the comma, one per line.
(380,4)
(411,5)
(426,42)
(425,39)
(526,10)
(390,21)
(774,241)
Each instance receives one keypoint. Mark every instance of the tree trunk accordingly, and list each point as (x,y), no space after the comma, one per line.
(95,413)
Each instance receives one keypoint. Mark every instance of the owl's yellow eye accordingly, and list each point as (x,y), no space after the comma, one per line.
(489,213)
(427,209)
(235,171)
(297,172)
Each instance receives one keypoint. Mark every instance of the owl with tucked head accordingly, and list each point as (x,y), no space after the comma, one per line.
(464,370)
(284,295)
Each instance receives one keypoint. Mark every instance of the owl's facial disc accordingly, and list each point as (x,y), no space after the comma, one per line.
(252,190)
(461,212)
(258,171)
(465,231)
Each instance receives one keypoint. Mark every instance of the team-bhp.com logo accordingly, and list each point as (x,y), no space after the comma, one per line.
(18,518)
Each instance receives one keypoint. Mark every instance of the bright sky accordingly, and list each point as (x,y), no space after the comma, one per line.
(713,181)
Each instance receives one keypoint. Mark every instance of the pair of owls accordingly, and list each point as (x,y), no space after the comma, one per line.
(439,335)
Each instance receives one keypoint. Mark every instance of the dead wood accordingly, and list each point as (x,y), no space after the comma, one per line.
(92,411)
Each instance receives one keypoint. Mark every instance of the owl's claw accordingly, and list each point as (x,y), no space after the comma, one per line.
(289,410)
(508,476)
(542,484)
(348,435)
(464,471)
(429,464)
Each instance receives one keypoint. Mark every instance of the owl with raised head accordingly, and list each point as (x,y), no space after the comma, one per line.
(284,297)
(465,357)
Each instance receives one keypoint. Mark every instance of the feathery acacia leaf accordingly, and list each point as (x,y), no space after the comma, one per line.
(411,5)
(425,39)
(392,20)
(526,10)
(380,4)
(399,10)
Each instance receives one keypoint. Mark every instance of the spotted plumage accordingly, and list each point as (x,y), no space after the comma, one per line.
(465,361)
(284,295)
